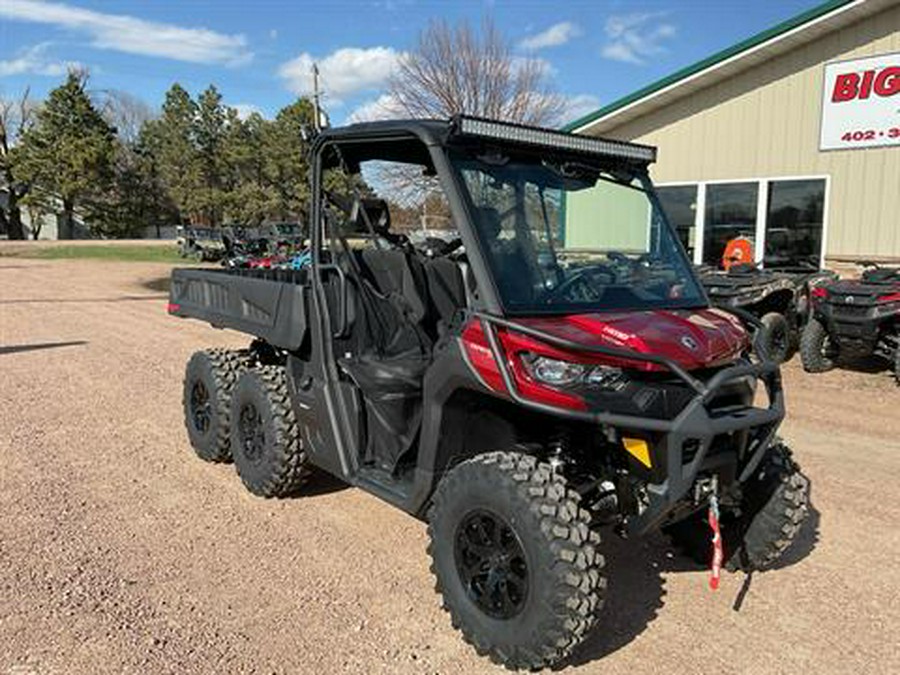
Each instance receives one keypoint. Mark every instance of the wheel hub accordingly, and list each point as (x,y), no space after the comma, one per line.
(491,564)
(201,408)
(252,432)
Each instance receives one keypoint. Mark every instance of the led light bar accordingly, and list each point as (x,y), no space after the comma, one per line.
(537,136)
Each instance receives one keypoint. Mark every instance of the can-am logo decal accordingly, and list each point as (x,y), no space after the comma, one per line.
(690,343)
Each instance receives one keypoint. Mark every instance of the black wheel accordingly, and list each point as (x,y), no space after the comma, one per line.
(265,440)
(777,335)
(514,559)
(208,381)
(774,506)
(816,349)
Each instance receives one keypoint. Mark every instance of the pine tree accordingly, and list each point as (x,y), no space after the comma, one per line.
(69,150)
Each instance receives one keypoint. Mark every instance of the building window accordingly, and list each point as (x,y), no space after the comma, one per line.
(680,204)
(730,212)
(794,223)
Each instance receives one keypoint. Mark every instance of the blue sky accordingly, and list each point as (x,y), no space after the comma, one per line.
(258,51)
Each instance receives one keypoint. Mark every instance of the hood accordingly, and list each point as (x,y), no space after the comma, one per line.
(695,338)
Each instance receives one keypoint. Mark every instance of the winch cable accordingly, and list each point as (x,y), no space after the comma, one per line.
(717,553)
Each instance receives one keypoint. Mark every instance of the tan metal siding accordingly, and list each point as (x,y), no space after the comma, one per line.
(765,122)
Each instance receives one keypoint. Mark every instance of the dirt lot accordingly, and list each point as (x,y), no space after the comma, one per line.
(121,552)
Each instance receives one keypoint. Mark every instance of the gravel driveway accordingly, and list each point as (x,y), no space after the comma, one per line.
(120,552)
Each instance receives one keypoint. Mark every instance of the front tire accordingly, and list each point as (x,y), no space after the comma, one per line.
(514,558)
(772,511)
(777,336)
(265,439)
(816,347)
(897,365)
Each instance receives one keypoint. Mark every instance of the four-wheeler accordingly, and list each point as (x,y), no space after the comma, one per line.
(516,393)
(854,319)
(779,298)
(201,244)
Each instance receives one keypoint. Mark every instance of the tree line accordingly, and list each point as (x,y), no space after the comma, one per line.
(121,169)
(108,158)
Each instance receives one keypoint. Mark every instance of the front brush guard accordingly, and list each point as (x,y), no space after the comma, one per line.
(695,423)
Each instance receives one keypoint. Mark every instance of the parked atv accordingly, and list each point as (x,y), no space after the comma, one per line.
(518,393)
(854,319)
(201,244)
(779,298)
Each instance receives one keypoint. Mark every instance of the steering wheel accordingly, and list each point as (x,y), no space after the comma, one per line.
(581,278)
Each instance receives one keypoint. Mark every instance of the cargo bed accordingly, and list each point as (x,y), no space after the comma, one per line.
(269,304)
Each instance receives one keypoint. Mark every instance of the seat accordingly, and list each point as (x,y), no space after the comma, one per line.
(446,290)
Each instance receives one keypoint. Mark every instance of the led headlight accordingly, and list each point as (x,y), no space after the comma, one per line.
(558,373)
(606,377)
(555,372)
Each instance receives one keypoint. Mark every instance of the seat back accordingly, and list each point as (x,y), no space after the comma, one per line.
(446,290)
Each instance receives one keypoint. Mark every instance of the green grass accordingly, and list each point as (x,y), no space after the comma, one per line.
(167,253)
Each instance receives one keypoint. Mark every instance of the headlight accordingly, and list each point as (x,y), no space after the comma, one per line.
(557,373)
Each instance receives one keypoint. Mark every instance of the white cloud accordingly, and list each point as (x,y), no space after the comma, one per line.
(34,61)
(633,38)
(558,34)
(384,107)
(579,105)
(133,35)
(347,71)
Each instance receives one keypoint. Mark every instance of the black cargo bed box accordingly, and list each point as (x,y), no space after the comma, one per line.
(270,304)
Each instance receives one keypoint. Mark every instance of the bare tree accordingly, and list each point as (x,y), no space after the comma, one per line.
(455,69)
(16,115)
(125,112)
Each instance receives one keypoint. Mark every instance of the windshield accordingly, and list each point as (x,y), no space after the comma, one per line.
(618,254)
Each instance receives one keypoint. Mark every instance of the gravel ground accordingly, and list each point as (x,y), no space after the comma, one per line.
(120,552)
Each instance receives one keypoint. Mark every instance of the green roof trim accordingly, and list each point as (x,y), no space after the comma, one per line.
(727,53)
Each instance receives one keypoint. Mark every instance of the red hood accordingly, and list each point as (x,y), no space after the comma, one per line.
(693,338)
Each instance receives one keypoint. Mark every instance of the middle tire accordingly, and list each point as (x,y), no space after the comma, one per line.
(265,440)
(514,558)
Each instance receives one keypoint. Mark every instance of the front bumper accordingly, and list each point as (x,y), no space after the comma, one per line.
(687,445)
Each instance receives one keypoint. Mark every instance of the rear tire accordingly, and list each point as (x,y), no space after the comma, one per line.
(815,347)
(208,382)
(517,565)
(777,336)
(775,504)
(265,439)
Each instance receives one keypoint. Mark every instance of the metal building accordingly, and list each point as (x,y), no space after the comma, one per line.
(791,137)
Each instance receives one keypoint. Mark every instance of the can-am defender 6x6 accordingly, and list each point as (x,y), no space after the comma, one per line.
(855,319)
(779,298)
(548,374)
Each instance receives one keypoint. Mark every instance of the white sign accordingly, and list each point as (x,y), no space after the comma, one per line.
(861,103)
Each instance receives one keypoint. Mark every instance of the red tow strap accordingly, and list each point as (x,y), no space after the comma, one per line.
(715,569)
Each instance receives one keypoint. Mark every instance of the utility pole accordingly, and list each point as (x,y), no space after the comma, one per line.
(316,106)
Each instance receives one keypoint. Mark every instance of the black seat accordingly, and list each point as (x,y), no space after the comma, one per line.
(446,290)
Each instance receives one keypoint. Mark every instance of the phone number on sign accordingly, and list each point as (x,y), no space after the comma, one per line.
(871,135)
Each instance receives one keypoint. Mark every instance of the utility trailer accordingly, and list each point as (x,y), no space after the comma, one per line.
(518,393)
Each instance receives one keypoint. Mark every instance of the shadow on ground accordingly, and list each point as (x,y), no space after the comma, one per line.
(318,483)
(635,570)
(867,365)
(16,349)
(162,284)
